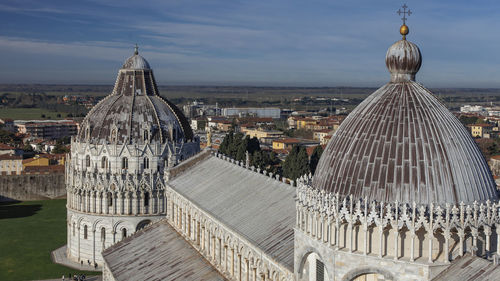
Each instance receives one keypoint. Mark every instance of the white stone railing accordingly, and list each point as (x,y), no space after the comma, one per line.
(242,164)
(231,254)
(455,228)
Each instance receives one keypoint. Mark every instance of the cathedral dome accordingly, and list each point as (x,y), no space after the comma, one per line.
(135,112)
(136,62)
(402,144)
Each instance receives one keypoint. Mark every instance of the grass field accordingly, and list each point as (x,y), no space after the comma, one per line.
(29,231)
(29,113)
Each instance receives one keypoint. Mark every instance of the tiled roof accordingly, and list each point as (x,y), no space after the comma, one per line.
(157,252)
(4,146)
(10,157)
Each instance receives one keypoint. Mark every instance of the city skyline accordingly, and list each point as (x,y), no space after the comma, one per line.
(281,43)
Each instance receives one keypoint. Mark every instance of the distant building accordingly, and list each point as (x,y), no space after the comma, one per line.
(11,164)
(198,124)
(48,130)
(36,161)
(8,124)
(472,109)
(219,123)
(272,112)
(481,130)
(495,165)
(264,136)
(288,143)
(321,135)
(7,149)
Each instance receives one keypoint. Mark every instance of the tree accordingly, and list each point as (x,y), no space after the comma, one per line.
(27,148)
(60,148)
(315,156)
(296,163)
(224,146)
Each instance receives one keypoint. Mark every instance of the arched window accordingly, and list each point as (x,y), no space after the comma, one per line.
(110,199)
(103,234)
(124,163)
(146,163)
(104,162)
(146,135)
(84,232)
(87,161)
(124,233)
(146,199)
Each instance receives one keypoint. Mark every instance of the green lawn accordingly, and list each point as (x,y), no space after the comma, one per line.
(29,231)
(29,113)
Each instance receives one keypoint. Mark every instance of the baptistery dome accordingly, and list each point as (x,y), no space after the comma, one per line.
(135,112)
(115,172)
(402,144)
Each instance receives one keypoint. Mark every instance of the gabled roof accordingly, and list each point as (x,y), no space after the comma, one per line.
(258,207)
(157,252)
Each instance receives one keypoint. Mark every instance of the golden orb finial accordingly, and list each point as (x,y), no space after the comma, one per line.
(404,28)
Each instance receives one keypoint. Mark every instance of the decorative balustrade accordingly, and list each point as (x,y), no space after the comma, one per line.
(460,227)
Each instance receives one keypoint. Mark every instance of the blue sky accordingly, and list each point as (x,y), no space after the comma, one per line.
(252,42)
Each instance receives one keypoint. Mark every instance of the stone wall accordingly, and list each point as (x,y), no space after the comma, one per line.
(32,187)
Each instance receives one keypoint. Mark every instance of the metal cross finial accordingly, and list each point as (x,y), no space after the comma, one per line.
(136,49)
(404,12)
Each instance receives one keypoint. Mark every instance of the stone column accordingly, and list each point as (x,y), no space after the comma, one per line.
(446,249)
(396,242)
(247,270)
(232,261)
(213,247)
(431,237)
(497,227)
(156,201)
(114,207)
(79,238)
(412,245)
(106,203)
(119,203)
(240,275)
(487,233)
(349,225)
(475,233)
(93,245)
(337,234)
(365,242)
(381,241)
(141,203)
(126,204)
(134,203)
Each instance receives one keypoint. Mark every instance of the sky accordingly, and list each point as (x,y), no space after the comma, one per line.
(252,42)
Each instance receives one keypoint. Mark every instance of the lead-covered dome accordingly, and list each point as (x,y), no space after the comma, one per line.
(402,144)
(135,112)
(136,62)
